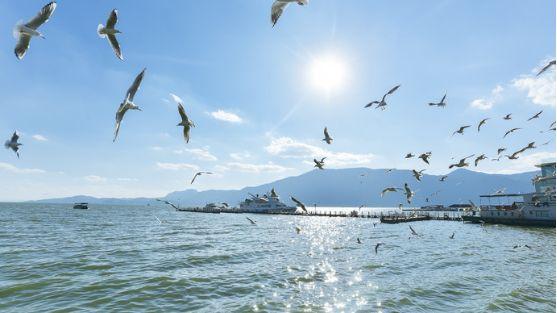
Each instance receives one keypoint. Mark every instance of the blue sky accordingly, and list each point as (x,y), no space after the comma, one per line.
(247,86)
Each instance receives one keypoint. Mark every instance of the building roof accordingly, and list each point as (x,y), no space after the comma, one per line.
(499,195)
(545,164)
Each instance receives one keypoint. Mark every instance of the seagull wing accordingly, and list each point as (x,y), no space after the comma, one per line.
(326,133)
(371,104)
(135,86)
(115,46)
(545,68)
(299,203)
(194,177)
(15,137)
(22,45)
(393,90)
(276,10)
(182,113)
(112,19)
(443,99)
(119,116)
(43,16)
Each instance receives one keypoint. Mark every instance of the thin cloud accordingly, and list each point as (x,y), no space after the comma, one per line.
(200,154)
(254,168)
(226,116)
(540,90)
(95,179)
(488,103)
(14,169)
(177,166)
(39,137)
(240,156)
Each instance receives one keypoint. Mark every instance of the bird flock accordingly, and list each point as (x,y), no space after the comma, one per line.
(24,32)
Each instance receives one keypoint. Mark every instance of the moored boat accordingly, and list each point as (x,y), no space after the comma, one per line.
(81,206)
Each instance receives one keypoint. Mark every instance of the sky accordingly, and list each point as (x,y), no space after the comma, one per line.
(260,96)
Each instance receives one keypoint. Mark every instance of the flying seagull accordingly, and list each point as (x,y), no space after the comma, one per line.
(199,174)
(461,163)
(443,178)
(377,246)
(319,164)
(409,155)
(461,130)
(382,104)
(251,221)
(128,104)
(413,231)
(299,203)
(186,122)
(478,159)
(169,203)
(13,144)
(409,193)
(511,131)
(482,122)
(327,138)
(508,117)
(280,5)
(441,103)
(425,157)
(514,156)
(389,189)
(110,32)
(537,115)
(500,150)
(24,32)
(418,175)
(545,68)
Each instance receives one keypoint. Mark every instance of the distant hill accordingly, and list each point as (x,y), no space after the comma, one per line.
(350,187)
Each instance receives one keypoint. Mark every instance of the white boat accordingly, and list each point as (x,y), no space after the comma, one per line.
(529,209)
(268,203)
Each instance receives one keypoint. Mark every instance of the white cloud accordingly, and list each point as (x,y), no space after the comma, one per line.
(177,166)
(126,179)
(286,147)
(200,154)
(240,156)
(226,116)
(540,90)
(14,169)
(39,137)
(156,148)
(527,163)
(486,104)
(254,168)
(94,179)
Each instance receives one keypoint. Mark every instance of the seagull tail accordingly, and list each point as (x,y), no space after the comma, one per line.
(7,144)
(99,29)
(17,29)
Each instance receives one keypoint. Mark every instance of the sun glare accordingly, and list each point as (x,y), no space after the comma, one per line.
(327,73)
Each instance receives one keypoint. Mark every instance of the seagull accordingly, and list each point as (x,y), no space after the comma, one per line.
(500,150)
(461,163)
(418,175)
(327,138)
(13,144)
(358,240)
(451,236)
(514,156)
(110,32)
(425,157)
(531,145)
(546,143)
(24,32)
(382,104)
(508,117)
(461,130)
(186,122)
(482,122)
(389,170)
(409,193)
(497,159)
(280,5)
(478,159)
(518,246)
(377,246)
(511,131)
(299,203)
(537,115)
(198,174)
(298,230)
(128,104)
(251,221)
(169,203)
(443,178)
(409,155)
(389,189)
(413,231)
(545,68)
(319,164)
(440,104)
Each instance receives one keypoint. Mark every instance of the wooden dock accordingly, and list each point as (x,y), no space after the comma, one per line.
(390,218)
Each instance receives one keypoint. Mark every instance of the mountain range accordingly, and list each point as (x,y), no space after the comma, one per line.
(349,187)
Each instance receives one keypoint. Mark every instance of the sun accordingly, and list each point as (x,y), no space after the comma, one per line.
(328,73)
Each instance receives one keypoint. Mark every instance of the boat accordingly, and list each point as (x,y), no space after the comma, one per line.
(208,208)
(523,209)
(81,206)
(395,219)
(267,203)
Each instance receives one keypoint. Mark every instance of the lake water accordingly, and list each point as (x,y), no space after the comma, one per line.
(117,259)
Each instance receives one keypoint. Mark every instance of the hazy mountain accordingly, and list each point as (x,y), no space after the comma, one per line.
(351,187)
